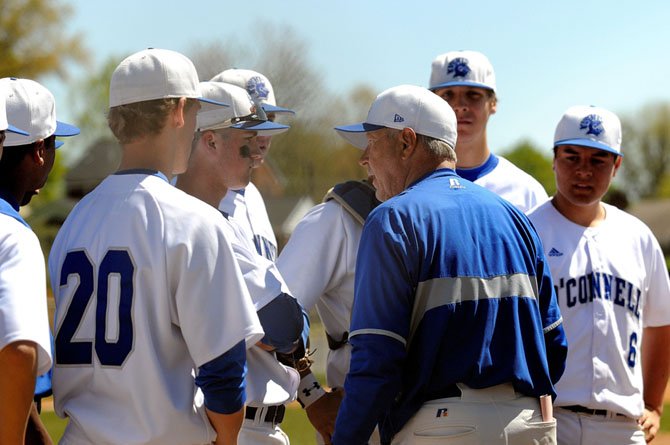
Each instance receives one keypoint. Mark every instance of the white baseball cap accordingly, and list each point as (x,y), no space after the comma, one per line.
(32,107)
(242,113)
(462,68)
(154,74)
(405,106)
(257,85)
(4,125)
(589,126)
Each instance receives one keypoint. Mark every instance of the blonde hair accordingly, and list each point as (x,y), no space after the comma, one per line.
(132,121)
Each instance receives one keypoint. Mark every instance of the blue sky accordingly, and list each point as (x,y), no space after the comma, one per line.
(547,55)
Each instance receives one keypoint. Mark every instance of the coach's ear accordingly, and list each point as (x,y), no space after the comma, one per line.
(409,140)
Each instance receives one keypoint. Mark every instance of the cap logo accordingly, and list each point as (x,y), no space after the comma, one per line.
(458,67)
(593,124)
(257,88)
(398,118)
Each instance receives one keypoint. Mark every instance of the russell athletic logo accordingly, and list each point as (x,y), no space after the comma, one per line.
(455,184)
(554,252)
(458,67)
(593,124)
(257,89)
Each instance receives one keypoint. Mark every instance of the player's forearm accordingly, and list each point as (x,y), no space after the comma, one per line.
(655,365)
(18,368)
(227,426)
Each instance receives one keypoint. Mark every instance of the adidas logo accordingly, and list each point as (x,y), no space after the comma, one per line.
(398,118)
(554,252)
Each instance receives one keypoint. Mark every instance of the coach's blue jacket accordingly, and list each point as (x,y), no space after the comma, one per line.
(451,286)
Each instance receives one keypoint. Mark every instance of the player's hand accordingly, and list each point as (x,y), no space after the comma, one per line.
(323,412)
(650,423)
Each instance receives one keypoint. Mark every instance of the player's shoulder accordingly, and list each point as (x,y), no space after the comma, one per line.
(15,233)
(519,176)
(542,212)
(252,191)
(621,220)
(506,165)
(15,237)
(325,217)
(154,199)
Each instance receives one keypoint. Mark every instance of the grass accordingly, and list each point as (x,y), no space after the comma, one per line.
(295,424)
(665,419)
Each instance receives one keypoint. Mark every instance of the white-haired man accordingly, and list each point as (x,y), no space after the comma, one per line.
(453,303)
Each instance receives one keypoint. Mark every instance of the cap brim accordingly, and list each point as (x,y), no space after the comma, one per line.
(64,130)
(460,83)
(355,133)
(588,143)
(275,109)
(267,128)
(213,102)
(13,129)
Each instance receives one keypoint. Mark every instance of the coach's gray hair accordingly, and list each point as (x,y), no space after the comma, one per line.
(437,147)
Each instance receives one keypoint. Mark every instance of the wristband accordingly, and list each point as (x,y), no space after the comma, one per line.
(309,390)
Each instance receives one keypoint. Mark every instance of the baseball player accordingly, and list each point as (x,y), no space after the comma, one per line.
(225,149)
(453,305)
(146,285)
(612,287)
(25,346)
(318,263)
(246,206)
(465,79)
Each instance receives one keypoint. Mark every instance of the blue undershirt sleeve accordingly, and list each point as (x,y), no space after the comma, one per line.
(222,380)
(283,321)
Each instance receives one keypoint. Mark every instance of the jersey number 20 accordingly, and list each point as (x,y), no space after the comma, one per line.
(110,353)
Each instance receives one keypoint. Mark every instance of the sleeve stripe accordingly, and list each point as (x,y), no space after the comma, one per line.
(393,335)
(553,326)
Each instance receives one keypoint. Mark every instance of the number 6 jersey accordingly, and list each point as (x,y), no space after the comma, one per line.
(611,282)
(147,289)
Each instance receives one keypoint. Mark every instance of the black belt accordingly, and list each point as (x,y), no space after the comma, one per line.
(450,391)
(273,414)
(593,412)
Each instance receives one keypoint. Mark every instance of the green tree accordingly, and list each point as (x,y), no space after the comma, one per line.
(533,161)
(34,41)
(89,101)
(646,148)
(310,158)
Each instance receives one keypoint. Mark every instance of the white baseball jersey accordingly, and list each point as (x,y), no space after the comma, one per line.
(247,208)
(268,381)
(611,282)
(509,181)
(147,289)
(23,297)
(318,264)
